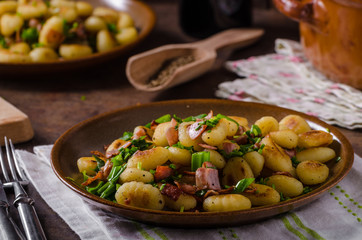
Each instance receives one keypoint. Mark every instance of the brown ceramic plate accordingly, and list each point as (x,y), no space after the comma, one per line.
(144,18)
(94,133)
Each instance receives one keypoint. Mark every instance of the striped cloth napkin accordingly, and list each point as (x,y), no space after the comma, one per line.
(287,79)
(335,215)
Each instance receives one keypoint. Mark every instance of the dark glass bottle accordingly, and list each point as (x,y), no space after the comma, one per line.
(202,18)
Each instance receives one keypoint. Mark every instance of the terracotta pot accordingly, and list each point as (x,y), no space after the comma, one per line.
(331,35)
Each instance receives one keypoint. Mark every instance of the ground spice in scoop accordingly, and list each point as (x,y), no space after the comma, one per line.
(168,68)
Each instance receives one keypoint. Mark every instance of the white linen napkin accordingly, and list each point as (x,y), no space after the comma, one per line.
(287,79)
(335,215)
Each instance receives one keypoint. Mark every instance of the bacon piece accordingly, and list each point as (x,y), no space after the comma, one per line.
(228,147)
(290,152)
(106,169)
(139,132)
(250,189)
(207,178)
(162,172)
(154,124)
(171,191)
(210,193)
(99,175)
(186,188)
(209,115)
(241,140)
(195,130)
(225,191)
(206,146)
(98,154)
(171,133)
(207,165)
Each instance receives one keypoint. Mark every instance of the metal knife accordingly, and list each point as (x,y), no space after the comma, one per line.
(8,229)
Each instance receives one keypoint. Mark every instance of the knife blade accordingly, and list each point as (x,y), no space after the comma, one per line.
(8,228)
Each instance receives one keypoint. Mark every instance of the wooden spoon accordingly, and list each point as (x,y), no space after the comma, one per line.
(144,66)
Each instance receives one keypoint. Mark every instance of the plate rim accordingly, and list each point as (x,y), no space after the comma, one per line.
(287,205)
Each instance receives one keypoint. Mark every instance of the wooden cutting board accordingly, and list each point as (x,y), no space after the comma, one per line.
(14,124)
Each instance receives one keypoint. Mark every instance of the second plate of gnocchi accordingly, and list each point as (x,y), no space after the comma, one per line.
(60,34)
(203,162)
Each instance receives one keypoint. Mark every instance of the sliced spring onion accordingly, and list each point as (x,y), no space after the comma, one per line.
(198,159)
(243,184)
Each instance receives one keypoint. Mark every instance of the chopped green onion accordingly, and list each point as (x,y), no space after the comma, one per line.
(172,166)
(338,159)
(260,150)
(85,176)
(30,35)
(243,184)
(193,118)
(100,163)
(112,28)
(255,130)
(126,136)
(162,186)
(306,190)
(94,190)
(198,159)
(182,208)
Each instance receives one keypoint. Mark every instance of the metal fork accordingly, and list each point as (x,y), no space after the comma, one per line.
(29,219)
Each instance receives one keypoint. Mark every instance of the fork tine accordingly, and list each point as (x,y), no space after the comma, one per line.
(10,154)
(19,170)
(3,167)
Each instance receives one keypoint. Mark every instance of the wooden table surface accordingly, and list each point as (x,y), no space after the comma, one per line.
(56,102)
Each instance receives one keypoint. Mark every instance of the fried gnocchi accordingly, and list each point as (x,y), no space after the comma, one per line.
(209,162)
(72,29)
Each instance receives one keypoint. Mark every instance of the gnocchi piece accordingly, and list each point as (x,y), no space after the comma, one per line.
(184,137)
(149,159)
(232,128)
(216,159)
(159,136)
(84,9)
(314,138)
(95,24)
(267,124)
(108,14)
(7,56)
(43,54)
(21,48)
(289,186)
(64,9)
(87,164)
(32,9)
(285,138)
(229,202)
(180,156)
(10,23)
(295,123)
(275,157)
(320,154)
(139,194)
(113,149)
(135,174)
(312,172)
(51,34)
(126,35)
(241,121)
(264,195)
(217,134)
(185,202)
(236,169)
(8,7)
(73,51)
(105,41)
(124,20)
(255,161)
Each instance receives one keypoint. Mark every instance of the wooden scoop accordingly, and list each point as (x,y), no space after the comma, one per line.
(141,68)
